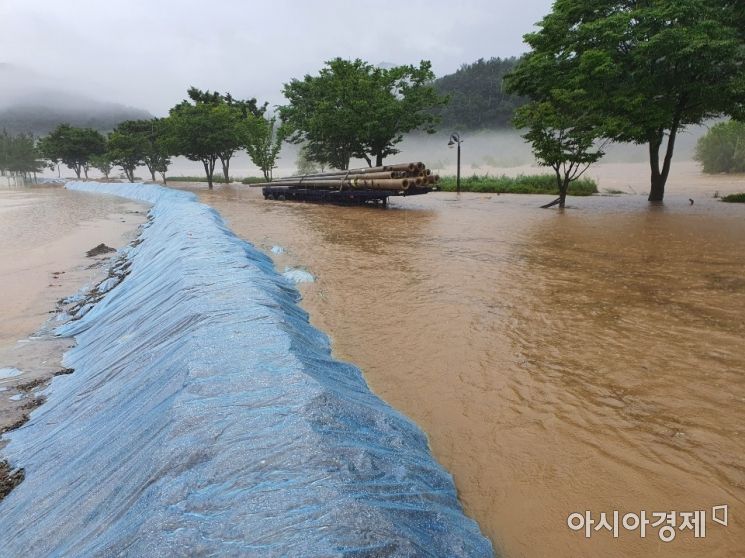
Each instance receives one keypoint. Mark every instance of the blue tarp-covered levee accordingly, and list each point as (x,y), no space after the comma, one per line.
(206,417)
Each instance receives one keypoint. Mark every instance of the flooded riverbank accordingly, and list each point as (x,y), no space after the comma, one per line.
(46,232)
(591,360)
(207,416)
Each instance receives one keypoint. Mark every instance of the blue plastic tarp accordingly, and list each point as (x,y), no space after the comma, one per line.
(206,417)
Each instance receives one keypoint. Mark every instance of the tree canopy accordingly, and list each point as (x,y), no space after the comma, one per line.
(263,141)
(722,149)
(19,155)
(127,146)
(210,128)
(354,109)
(562,138)
(645,70)
(73,146)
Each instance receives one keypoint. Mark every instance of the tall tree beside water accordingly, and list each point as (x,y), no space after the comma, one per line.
(243,113)
(73,146)
(19,156)
(644,70)
(263,141)
(353,109)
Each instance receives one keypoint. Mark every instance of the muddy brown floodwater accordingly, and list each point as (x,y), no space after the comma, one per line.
(590,360)
(45,232)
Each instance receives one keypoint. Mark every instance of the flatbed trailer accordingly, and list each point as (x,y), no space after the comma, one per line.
(347,196)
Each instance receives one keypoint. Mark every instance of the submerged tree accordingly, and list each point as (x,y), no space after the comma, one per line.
(354,109)
(127,147)
(210,128)
(103,163)
(561,139)
(722,149)
(19,156)
(644,69)
(73,146)
(234,117)
(263,141)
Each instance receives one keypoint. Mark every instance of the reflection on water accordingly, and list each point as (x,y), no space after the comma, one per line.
(591,360)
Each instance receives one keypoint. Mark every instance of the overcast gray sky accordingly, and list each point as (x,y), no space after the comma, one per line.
(145,53)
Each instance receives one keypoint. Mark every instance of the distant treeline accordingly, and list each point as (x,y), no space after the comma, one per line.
(478,99)
(40,120)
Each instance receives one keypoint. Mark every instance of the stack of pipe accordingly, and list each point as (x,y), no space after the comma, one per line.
(399,177)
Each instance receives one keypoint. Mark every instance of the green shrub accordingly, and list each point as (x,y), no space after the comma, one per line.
(734,198)
(722,149)
(522,184)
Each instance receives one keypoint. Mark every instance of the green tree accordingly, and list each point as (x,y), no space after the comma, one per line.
(103,163)
(73,146)
(242,111)
(127,147)
(305,165)
(722,149)
(263,141)
(19,156)
(645,69)
(354,109)
(561,138)
(206,131)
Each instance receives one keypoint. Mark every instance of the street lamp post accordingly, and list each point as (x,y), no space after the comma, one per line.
(455,140)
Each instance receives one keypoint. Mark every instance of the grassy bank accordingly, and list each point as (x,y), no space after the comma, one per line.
(216,179)
(523,184)
(734,198)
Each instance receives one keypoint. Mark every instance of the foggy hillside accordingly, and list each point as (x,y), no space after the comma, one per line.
(35,104)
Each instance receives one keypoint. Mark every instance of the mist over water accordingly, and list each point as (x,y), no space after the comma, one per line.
(492,152)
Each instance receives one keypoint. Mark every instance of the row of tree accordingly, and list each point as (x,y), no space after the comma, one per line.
(209,127)
(19,156)
(636,72)
(351,109)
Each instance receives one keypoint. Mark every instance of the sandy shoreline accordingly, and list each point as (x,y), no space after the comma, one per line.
(47,232)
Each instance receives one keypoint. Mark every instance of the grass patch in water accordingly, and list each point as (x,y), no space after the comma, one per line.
(734,198)
(522,184)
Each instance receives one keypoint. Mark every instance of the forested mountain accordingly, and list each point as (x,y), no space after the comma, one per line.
(38,119)
(30,103)
(477,97)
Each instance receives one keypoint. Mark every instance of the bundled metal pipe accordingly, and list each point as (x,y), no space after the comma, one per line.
(398,177)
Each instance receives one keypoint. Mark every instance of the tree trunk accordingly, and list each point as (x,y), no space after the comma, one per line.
(208,173)
(657,187)
(378,159)
(659,175)
(77,170)
(563,189)
(226,170)
(85,170)
(152,173)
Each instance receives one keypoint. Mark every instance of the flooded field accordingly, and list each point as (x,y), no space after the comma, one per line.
(45,232)
(590,360)
(559,362)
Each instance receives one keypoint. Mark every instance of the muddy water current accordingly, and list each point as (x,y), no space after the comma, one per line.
(590,360)
(45,232)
